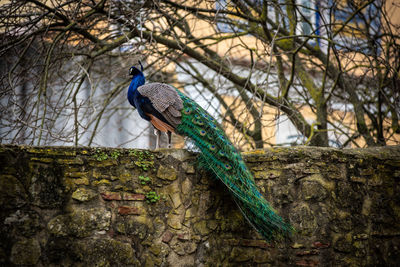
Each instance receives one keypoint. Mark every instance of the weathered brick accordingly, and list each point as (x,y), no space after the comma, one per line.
(111,196)
(182,236)
(128,210)
(167,236)
(307,252)
(133,196)
(318,244)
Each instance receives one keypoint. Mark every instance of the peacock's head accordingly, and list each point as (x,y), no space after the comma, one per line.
(135,71)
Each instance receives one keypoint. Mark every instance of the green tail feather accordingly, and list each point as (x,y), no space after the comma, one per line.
(221,157)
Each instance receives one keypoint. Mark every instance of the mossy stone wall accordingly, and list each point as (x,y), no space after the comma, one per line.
(63,206)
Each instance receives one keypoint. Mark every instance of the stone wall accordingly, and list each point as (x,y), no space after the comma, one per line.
(112,207)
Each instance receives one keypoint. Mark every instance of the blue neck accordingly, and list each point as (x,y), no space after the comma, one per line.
(137,80)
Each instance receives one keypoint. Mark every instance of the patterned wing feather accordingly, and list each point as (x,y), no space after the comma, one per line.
(165,100)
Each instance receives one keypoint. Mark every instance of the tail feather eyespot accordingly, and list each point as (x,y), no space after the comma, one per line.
(197,121)
(227,166)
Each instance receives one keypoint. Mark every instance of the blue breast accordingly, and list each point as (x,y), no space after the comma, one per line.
(137,80)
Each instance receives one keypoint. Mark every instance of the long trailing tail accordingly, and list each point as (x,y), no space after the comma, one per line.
(222,158)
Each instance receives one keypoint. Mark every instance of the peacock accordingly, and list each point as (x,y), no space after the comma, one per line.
(171,111)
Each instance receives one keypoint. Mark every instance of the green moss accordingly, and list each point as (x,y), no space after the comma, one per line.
(100,155)
(115,154)
(152,197)
(144,164)
(144,179)
(144,159)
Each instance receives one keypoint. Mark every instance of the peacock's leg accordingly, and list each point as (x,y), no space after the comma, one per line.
(169,139)
(158,134)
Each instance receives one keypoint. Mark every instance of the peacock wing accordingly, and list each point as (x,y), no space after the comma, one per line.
(165,100)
